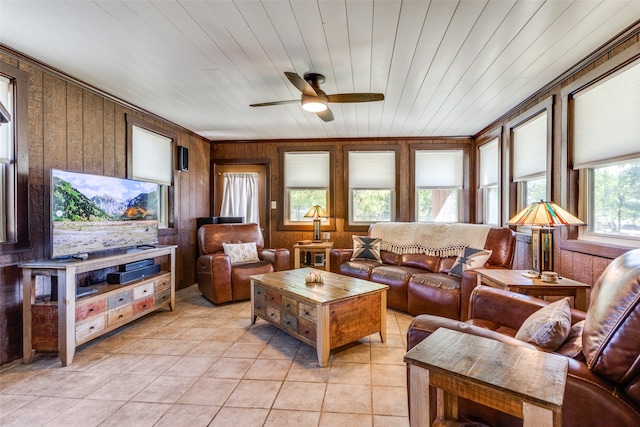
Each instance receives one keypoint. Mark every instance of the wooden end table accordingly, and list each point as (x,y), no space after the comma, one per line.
(313,248)
(516,281)
(522,382)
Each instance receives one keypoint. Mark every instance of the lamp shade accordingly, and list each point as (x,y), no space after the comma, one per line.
(316,212)
(545,214)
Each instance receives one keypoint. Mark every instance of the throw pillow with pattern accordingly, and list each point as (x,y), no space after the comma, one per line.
(241,252)
(366,248)
(469,259)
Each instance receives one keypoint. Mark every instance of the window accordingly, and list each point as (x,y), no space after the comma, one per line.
(438,184)
(6,149)
(151,158)
(307,181)
(530,151)
(606,152)
(488,182)
(14,164)
(372,186)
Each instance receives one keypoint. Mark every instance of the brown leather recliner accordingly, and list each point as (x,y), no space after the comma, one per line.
(221,281)
(603,381)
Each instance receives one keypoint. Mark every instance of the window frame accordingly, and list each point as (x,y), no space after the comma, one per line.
(463,195)
(576,181)
(17,179)
(364,227)
(172,190)
(515,200)
(329,224)
(481,208)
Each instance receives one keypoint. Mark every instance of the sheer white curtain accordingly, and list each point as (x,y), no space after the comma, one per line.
(240,196)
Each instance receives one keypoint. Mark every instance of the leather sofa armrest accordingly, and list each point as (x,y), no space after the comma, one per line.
(467,285)
(425,324)
(338,256)
(280,258)
(502,307)
(213,273)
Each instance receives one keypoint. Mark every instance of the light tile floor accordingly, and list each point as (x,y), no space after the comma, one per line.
(203,365)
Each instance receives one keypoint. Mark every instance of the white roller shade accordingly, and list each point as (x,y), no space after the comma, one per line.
(6,130)
(372,169)
(306,170)
(489,164)
(530,148)
(152,157)
(439,169)
(606,120)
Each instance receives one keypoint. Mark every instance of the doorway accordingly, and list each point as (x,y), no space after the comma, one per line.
(262,168)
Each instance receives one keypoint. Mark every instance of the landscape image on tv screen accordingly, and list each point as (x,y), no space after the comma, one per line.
(91,213)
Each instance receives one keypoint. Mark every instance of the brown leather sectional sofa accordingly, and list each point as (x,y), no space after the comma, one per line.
(420,284)
(603,380)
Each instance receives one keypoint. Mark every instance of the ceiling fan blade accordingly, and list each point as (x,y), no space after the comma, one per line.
(300,83)
(266,104)
(326,115)
(355,97)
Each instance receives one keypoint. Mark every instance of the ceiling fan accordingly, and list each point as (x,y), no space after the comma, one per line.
(315,100)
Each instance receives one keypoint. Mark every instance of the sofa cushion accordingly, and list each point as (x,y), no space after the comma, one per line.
(359,269)
(437,280)
(366,248)
(434,293)
(469,259)
(548,327)
(426,262)
(241,252)
(611,336)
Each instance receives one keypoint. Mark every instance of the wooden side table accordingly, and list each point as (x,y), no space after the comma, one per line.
(516,281)
(319,247)
(522,382)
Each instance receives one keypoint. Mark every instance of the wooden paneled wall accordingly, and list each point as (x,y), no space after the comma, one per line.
(268,149)
(75,128)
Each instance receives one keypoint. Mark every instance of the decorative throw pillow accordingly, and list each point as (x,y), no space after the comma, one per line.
(366,248)
(572,346)
(548,327)
(469,259)
(241,252)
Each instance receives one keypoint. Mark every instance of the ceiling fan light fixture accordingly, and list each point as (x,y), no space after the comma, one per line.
(314,105)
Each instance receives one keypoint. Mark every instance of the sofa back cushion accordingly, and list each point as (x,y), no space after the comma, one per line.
(212,236)
(502,243)
(390,258)
(611,335)
(425,262)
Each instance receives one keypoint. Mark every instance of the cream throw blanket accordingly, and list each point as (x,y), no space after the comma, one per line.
(434,239)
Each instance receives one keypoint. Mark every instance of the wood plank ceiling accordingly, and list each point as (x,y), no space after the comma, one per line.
(447,68)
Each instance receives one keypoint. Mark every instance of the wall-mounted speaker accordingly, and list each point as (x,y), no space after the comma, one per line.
(183,158)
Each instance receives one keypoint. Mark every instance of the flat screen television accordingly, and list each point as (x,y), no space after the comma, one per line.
(92,213)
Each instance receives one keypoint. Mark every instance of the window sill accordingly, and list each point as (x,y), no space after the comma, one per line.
(593,248)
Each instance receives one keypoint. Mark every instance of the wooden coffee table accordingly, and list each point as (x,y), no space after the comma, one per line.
(516,281)
(522,382)
(324,315)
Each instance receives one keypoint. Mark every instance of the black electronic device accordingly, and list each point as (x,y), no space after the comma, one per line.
(183,158)
(135,265)
(122,277)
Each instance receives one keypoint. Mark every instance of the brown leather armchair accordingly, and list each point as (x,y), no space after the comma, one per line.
(221,281)
(603,381)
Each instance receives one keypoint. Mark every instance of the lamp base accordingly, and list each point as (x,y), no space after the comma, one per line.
(541,249)
(316,231)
